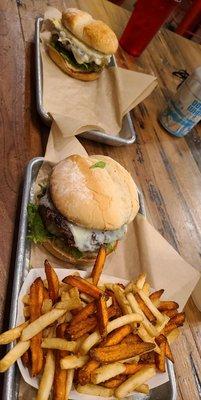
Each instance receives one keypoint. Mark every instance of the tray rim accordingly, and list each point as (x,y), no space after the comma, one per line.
(11,377)
(93,135)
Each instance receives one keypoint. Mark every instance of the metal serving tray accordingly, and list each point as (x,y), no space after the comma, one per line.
(127,134)
(167,391)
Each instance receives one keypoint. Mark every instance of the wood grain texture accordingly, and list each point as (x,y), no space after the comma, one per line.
(167,169)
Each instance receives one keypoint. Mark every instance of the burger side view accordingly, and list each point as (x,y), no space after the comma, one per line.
(88,203)
(80,45)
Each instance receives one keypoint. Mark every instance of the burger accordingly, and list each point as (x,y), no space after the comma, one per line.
(80,45)
(88,202)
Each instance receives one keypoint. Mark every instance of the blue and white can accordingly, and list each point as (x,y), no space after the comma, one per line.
(184,110)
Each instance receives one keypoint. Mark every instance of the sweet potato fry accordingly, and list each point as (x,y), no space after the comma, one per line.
(174,322)
(132,368)
(168,305)
(114,383)
(98,266)
(132,338)
(169,328)
(60,375)
(147,358)
(120,351)
(36,301)
(84,374)
(117,336)
(84,313)
(102,315)
(160,358)
(155,297)
(53,281)
(83,286)
(114,311)
(170,313)
(145,309)
(88,325)
(168,352)
(26,359)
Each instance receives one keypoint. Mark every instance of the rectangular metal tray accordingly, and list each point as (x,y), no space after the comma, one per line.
(127,134)
(167,391)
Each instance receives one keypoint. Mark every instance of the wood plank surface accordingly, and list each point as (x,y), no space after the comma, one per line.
(167,169)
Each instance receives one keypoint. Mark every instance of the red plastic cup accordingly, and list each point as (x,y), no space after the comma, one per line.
(147,18)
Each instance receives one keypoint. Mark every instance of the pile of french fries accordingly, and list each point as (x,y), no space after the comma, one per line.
(103,339)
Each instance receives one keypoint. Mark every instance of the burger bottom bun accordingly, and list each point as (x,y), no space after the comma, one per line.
(63,254)
(66,67)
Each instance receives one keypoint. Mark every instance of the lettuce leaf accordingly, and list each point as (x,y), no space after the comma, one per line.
(36,230)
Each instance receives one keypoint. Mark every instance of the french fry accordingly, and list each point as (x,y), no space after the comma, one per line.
(46,306)
(12,334)
(98,266)
(141,281)
(173,335)
(47,379)
(114,383)
(59,344)
(122,300)
(114,311)
(106,372)
(26,312)
(168,305)
(25,299)
(70,362)
(95,390)
(41,323)
(36,301)
(169,328)
(160,358)
(144,388)
(174,322)
(83,285)
(118,335)
(132,368)
(84,374)
(102,312)
(147,358)
(69,382)
(146,288)
(26,359)
(53,282)
(135,381)
(45,293)
(160,317)
(95,337)
(145,309)
(16,352)
(120,351)
(84,313)
(155,297)
(170,313)
(60,379)
(145,322)
(168,352)
(132,338)
(86,298)
(88,325)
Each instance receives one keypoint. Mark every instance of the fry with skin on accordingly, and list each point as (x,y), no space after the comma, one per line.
(84,374)
(174,322)
(84,313)
(170,313)
(132,368)
(105,372)
(114,383)
(95,337)
(120,351)
(160,358)
(132,338)
(12,334)
(98,266)
(147,358)
(16,352)
(145,309)
(155,297)
(53,282)
(83,286)
(47,379)
(168,305)
(168,352)
(134,381)
(26,359)
(69,382)
(118,335)
(60,376)
(102,312)
(36,302)
(88,325)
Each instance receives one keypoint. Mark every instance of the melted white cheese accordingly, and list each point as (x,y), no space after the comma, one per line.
(81,52)
(90,240)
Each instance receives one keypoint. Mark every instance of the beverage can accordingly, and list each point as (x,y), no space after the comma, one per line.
(184,110)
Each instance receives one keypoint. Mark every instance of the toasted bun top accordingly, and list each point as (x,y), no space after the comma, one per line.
(94,33)
(94,197)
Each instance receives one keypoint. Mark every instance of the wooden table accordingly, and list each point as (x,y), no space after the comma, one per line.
(166,168)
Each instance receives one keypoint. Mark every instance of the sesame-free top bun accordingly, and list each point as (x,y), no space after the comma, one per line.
(95,192)
(94,33)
